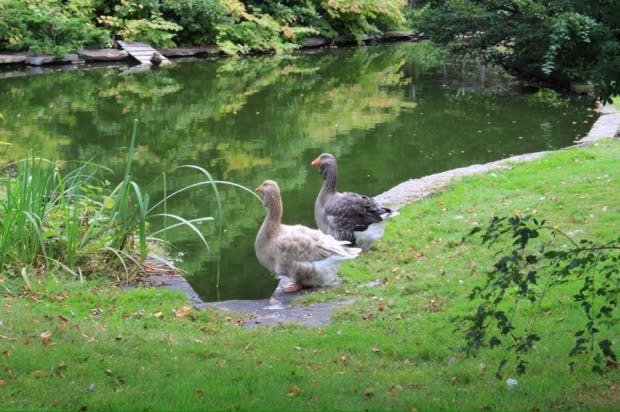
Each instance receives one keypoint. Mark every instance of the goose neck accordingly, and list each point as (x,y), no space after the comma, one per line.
(330,178)
(273,219)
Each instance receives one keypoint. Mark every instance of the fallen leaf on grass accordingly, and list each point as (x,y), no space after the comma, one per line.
(183,311)
(39,374)
(293,390)
(46,337)
(63,295)
(158,315)
(376,350)
(7,337)
(1,383)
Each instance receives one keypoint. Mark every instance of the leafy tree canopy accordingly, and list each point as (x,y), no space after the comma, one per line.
(557,41)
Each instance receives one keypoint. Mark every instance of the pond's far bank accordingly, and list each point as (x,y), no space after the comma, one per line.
(36,63)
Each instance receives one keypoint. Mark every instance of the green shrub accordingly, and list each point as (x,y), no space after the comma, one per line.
(49,26)
(246,32)
(556,41)
(198,20)
(362,17)
(140,21)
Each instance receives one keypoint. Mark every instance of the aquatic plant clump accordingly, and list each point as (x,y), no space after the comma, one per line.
(65,216)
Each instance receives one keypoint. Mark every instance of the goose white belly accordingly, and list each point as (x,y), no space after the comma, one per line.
(364,239)
(312,274)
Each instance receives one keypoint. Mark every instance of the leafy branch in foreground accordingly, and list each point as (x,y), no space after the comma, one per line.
(531,262)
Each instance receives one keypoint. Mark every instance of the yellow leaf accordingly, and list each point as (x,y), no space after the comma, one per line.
(183,311)
(108,203)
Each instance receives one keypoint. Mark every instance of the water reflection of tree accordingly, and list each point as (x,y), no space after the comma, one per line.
(255,118)
(242,119)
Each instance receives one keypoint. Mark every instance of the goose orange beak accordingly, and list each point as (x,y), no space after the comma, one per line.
(316,161)
(257,188)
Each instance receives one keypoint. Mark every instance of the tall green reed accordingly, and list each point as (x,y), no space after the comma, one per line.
(28,199)
(75,222)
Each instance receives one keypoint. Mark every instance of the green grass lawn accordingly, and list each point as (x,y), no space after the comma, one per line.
(73,346)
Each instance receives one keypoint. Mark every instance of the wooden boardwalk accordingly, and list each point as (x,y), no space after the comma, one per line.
(142,52)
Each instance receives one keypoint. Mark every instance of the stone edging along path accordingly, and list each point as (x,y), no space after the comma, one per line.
(280,308)
(607,125)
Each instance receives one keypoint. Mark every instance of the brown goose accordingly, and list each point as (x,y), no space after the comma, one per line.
(347,216)
(307,256)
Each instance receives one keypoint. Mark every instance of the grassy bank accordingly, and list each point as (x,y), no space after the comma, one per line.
(89,346)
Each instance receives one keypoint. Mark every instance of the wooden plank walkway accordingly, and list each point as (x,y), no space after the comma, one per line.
(142,52)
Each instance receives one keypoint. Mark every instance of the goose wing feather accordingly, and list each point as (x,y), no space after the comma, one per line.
(302,244)
(353,212)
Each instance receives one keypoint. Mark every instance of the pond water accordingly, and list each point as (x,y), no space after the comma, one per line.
(388,113)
